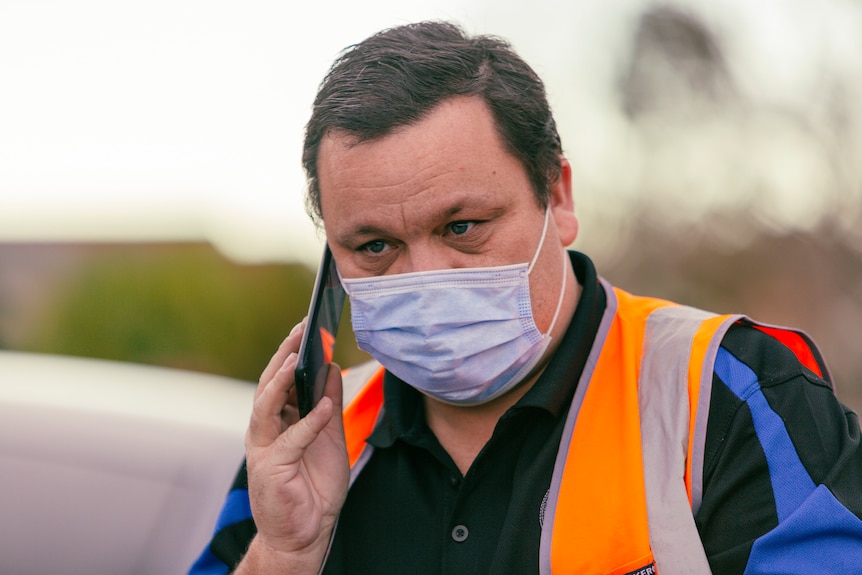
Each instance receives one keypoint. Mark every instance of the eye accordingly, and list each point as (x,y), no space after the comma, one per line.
(373,247)
(460,228)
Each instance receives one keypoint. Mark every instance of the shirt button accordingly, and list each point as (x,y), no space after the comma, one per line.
(460,533)
(454,481)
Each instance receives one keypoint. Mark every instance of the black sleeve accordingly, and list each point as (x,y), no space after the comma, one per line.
(745,487)
(234,531)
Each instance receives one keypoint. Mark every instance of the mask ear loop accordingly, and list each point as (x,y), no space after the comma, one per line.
(541,241)
(565,275)
(559,301)
(341,281)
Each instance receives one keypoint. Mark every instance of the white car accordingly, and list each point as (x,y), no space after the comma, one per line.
(110,468)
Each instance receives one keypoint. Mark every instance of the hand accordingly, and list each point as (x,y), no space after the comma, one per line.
(297,468)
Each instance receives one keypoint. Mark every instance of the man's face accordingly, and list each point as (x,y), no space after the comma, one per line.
(442,193)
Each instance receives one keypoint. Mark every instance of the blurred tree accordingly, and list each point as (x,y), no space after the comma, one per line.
(179,306)
(676,67)
(740,204)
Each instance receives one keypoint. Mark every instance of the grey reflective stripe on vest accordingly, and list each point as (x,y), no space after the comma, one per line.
(363,459)
(568,430)
(354,378)
(664,407)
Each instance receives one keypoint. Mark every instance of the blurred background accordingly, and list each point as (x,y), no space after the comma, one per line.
(151,193)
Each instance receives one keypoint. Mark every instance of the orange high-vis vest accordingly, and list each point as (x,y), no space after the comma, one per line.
(627,477)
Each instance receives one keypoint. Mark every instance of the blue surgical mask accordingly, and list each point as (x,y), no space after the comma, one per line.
(462,336)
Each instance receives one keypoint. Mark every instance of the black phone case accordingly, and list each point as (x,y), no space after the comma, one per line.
(318,342)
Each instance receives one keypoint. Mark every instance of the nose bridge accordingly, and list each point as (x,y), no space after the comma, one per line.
(426,256)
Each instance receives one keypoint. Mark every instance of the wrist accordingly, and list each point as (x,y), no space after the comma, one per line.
(264,557)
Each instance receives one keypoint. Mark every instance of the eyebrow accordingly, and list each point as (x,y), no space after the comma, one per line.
(364,230)
(446,213)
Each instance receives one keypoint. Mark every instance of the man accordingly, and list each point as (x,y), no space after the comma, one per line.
(531,418)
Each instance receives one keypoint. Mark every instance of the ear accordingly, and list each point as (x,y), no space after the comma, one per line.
(562,205)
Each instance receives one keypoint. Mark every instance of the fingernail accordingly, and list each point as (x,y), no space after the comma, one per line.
(289,361)
(321,404)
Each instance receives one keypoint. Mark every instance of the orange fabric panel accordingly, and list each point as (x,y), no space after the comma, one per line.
(601,521)
(361,415)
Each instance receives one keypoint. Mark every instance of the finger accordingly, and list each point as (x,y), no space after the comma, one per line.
(289,345)
(334,391)
(267,422)
(333,388)
(301,435)
(291,400)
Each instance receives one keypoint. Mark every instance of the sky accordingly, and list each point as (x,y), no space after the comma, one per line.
(173,120)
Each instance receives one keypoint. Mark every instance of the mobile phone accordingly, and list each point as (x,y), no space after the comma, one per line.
(318,341)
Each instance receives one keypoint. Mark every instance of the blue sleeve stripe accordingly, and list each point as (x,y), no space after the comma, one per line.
(208,564)
(236,508)
(822,536)
(791,483)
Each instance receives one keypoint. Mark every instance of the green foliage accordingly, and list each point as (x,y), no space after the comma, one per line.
(181,306)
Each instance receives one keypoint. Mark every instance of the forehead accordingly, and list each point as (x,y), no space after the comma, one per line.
(456,133)
(453,156)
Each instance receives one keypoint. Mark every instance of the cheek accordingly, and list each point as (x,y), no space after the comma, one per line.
(546,283)
(343,262)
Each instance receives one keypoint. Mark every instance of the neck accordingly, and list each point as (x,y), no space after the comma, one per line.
(464,431)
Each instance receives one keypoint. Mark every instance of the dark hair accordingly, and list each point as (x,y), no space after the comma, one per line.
(397,76)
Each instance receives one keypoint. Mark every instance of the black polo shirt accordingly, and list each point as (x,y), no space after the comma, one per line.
(411,510)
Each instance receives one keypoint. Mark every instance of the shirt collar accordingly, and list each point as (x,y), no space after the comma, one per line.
(404,414)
